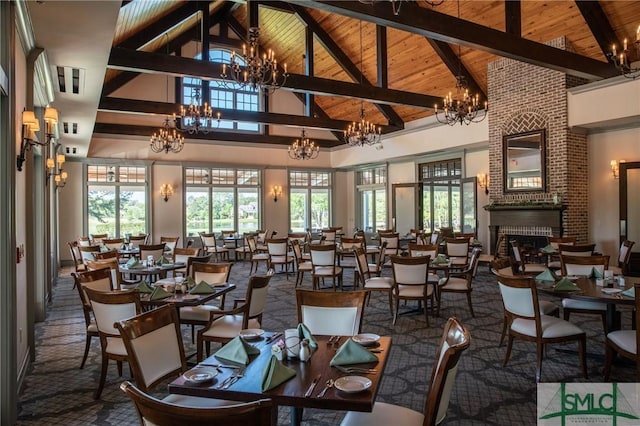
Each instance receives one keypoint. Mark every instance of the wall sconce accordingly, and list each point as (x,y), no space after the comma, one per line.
(615,169)
(31,125)
(166,190)
(276,191)
(483,182)
(54,168)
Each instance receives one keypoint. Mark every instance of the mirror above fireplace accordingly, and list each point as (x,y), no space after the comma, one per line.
(524,161)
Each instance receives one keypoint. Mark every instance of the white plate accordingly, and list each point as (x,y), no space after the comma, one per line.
(200,374)
(366,339)
(251,333)
(611,290)
(352,384)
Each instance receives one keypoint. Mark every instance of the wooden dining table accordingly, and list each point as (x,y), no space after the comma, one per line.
(292,392)
(153,272)
(186,299)
(589,291)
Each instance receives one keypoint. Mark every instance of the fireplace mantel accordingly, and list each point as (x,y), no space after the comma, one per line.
(546,215)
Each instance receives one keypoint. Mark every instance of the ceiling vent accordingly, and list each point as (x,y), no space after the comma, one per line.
(70,80)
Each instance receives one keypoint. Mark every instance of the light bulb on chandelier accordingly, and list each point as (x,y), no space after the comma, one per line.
(464,109)
(622,60)
(250,69)
(303,148)
(196,118)
(167,139)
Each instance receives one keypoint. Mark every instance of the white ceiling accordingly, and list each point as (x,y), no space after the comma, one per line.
(76,34)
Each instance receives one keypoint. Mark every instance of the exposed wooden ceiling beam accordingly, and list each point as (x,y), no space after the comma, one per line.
(133,60)
(112,104)
(513,17)
(443,27)
(599,25)
(145,131)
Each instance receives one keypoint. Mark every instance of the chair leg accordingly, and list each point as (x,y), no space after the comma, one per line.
(426,310)
(582,353)
(390,303)
(119,365)
(86,351)
(470,306)
(604,322)
(504,330)
(199,349)
(608,361)
(103,376)
(193,333)
(539,350)
(508,354)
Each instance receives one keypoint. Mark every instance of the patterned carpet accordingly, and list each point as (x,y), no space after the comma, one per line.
(57,392)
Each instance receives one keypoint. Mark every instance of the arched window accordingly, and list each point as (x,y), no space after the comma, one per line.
(223,95)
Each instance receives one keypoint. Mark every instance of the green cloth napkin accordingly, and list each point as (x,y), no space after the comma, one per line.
(548,249)
(237,350)
(163,261)
(565,285)
(630,292)
(441,258)
(352,353)
(133,263)
(159,293)
(275,373)
(144,287)
(595,273)
(546,275)
(202,288)
(304,333)
(191,282)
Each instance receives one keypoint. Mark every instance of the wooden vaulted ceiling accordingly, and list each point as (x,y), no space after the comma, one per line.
(409,60)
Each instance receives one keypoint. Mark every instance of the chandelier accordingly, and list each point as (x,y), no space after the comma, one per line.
(196,118)
(623,62)
(303,148)
(397,4)
(167,139)
(464,110)
(250,69)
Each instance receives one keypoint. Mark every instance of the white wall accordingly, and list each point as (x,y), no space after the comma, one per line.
(167,217)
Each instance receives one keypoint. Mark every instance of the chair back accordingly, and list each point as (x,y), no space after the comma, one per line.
(361,265)
(329,236)
(350,244)
(192,260)
(98,280)
(257,296)
(393,243)
(297,251)
(114,268)
(110,307)
(105,255)
(138,240)
(153,411)
(520,300)
(208,240)
(422,239)
(88,252)
(583,265)
(446,232)
(625,254)
(471,236)
(576,250)
(277,246)
(457,247)
(323,255)
(182,255)
(76,256)
(301,237)
(84,241)
(113,243)
(331,313)
(455,340)
(154,344)
(381,256)
(211,273)
(502,266)
(252,242)
(262,236)
(410,270)
(155,250)
(171,243)
(435,238)
(416,250)
(556,241)
(96,239)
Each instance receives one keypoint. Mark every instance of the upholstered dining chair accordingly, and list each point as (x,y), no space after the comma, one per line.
(302,265)
(84,241)
(347,250)
(329,236)
(153,342)
(99,280)
(76,257)
(327,313)
(435,238)
(323,259)
(153,411)
(106,255)
(369,283)
(524,321)
(410,282)
(584,265)
(624,255)
(108,308)
(430,250)
(378,260)
(206,258)
(625,342)
(114,266)
(182,255)
(88,252)
(278,249)
(519,259)
(241,252)
(256,256)
(553,260)
(455,340)
(210,245)
(571,250)
(461,282)
(155,250)
(138,240)
(393,245)
(246,313)
(113,243)
(170,243)
(96,239)
(457,250)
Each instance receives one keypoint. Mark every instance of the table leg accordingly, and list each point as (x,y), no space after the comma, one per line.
(296,416)
(613,318)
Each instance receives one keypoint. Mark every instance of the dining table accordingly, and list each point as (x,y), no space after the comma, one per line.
(301,391)
(588,290)
(180,299)
(152,272)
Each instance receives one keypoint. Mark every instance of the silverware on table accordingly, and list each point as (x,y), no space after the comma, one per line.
(328,385)
(273,337)
(312,386)
(356,370)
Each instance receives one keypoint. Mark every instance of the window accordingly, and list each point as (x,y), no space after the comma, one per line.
(223,94)
(222,199)
(116,200)
(441,194)
(309,200)
(372,192)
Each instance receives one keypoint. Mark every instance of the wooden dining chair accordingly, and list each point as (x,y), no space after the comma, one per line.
(624,255)
(461,282)
(553,260)
(241,252)
(520,257)
(454,341)
(302,265)
(114,267)
(570,250)
(182,255)
(430,250)
(323,259)
(256,256)
(625,342)
(88,252)
(378,259)
(410,283)
(329,236)
(108,308)
(113,243)
(210,245)
(76,257)
(84,241)
(155,250)
(393,245)
(223,326)
(96,239)
(584,265)
(524,322)
(153,411)
(138,240)
(328,314)
(457,250)
(372,283)
(278,249)
(99,280)
(170,243)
